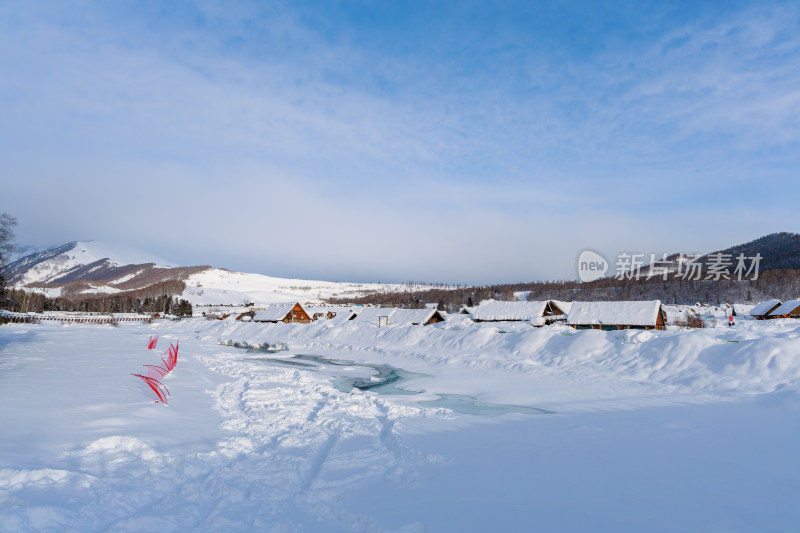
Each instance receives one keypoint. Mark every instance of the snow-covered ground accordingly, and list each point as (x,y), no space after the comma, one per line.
(677,430)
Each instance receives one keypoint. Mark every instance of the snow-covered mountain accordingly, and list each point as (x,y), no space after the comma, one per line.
(86,267)
(69,262)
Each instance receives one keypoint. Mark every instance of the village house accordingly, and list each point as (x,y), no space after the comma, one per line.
(413,317)
(538,313)
(560,309)
(323,312)
(287,313)
(790,309)
(380,316)
(762,310)
(617,315)
(342,316)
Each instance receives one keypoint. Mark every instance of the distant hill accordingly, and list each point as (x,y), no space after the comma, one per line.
(778,251)
(88,267)
(89,261)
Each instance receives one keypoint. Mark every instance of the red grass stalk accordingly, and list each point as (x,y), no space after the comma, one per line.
(161,391)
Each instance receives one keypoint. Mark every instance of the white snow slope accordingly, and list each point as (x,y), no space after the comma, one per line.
(222,287)
(656,431)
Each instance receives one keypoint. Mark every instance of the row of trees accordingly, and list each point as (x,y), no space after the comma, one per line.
(26,302)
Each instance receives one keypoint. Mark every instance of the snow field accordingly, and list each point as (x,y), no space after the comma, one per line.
(239,446)
(690,430)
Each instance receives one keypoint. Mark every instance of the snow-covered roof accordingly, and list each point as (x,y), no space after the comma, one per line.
(494,310)
(404,317)
(564,306)
(638,313)
(763,308)
(785,308)
(325,309)
(343,315)
(371,314)
(465,309)
(273,313)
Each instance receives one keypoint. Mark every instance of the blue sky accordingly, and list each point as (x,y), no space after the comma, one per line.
(456,142)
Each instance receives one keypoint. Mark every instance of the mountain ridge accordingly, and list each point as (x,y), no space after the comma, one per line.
(77,260)
(778,251)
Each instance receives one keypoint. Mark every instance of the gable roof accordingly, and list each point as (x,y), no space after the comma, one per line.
(634,313)
(410,317)
(371,314)
(325,309)
(785,308)
(763,308)
(343,315)
(274,312)
(564,306)
(494,311)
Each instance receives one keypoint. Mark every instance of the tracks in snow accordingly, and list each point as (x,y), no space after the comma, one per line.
(313,438)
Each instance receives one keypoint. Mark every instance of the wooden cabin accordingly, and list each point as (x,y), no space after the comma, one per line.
(341,316)
(286,313)
(381,316)
(560,310)
(414,317)
(790,309)
(617,315)
(329,312)
(763,310)
(538,313)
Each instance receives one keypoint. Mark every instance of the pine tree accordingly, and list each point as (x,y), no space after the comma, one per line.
(184,308)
